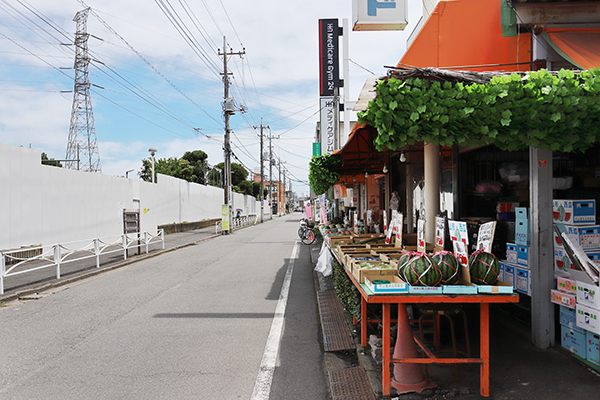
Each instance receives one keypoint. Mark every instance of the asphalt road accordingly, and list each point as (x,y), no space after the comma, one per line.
(234,317)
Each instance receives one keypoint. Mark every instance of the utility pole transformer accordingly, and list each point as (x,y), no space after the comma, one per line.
(228,110)
(82,144)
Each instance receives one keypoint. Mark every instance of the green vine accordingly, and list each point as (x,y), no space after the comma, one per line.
(346,291)
(541,110)
(320,174)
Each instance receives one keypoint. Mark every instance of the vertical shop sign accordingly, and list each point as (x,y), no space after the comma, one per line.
(327,118)
(329,68)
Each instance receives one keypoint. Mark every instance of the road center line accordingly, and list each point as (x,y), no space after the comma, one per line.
(262,386)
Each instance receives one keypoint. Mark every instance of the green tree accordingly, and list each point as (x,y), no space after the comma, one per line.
(50,161)
(197,160)
(189,167)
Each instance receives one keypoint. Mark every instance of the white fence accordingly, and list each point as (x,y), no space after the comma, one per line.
(237,222)
(13,263)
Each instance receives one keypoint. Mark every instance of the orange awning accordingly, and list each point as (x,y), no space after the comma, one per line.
(461,33)
(580,47)
(359,154)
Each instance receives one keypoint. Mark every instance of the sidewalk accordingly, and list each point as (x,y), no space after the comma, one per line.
(518,370)
(28,284)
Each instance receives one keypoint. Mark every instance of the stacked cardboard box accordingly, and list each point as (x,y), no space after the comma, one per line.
(515,269)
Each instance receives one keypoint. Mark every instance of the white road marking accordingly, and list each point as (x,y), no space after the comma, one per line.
(262,386)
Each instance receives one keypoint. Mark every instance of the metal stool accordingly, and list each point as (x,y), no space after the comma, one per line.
(448,311)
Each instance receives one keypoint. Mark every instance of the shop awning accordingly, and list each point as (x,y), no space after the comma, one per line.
(580,47)
(359,154)
(466,33)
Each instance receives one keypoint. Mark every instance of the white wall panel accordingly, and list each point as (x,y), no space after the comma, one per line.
(45,205)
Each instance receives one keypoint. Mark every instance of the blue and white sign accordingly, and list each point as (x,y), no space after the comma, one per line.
(379,15)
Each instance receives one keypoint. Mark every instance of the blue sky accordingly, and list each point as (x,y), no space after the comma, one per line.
(153,88)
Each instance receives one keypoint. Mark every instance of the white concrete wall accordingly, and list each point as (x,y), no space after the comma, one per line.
(40,204)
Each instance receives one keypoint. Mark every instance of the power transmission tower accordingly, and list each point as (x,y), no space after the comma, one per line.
(228,110)
(82,148)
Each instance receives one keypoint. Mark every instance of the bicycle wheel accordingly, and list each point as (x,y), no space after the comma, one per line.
(309,237)
(301,232)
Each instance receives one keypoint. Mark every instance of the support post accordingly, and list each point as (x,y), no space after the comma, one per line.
(432,189)
(57,260)
(541,253)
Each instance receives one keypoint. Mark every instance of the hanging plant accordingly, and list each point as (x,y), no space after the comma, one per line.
(555,112)
(320,173)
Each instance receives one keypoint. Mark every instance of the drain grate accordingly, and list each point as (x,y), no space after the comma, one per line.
(350,384)
(336,333)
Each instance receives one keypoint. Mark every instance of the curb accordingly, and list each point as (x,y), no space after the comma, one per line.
(85,275)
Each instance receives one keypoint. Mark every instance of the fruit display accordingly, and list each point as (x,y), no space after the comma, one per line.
(420,270)
(484,268)
(448,265)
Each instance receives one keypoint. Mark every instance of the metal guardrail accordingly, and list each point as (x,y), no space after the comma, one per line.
(63,253)
(237,222)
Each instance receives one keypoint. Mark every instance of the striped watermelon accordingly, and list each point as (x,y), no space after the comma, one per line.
(421,271)
(484,268)
(448,265)
(402,263)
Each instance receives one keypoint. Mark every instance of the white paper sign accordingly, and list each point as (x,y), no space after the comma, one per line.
(458,231)
(389,233)
(421,235)
(385,224)
(440,225)
(398,228)
(460,251)
(485,236)
(394,216)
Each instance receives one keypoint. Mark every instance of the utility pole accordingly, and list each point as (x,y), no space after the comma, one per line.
(279,190)
(262,162)
(271,173)
(228,110)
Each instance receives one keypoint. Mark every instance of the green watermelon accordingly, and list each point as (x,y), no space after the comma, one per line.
(421,271)
(402,263)
(448,265)
(484,268)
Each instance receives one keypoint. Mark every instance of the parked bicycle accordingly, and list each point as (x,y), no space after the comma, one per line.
(306,233)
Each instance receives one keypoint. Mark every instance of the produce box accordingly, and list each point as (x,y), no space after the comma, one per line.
(376,271)
(563,299)
(574,212)
(588,237)
(588,294)
(511,253)
(593,348)
(499,288)
(380,246)
(461,288)
(425,289)
(523,281)
(339,239)
(391,257)
(573,341)
(395,285)
(566,285)
(588,318)
(568,317)
(349,258)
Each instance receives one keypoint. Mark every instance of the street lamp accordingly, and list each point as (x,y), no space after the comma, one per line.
(152,151)
(127,173)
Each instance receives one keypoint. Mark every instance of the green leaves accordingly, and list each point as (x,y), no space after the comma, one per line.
(540,109)
(320,174)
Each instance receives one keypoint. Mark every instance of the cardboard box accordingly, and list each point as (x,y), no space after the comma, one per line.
(588,237)
(395,285)
(425,289)
(568,318)
(523,281)
(588,318)
(509,274)
(360,273)
(573,341)
(593,347)
(339,239)
(566,285)
(523,255)
(563,299)
(499,288)
(461,288)
(501,274)
(522,227)
(588,294)
(391,258)
(562,262)
(502,207)
(574,212)
(511,253)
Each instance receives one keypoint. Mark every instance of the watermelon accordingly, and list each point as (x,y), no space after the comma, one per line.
(421,271)
(448,265)
(403,262)
(484,268)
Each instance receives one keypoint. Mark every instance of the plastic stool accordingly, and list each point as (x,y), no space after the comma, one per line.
(448,311)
